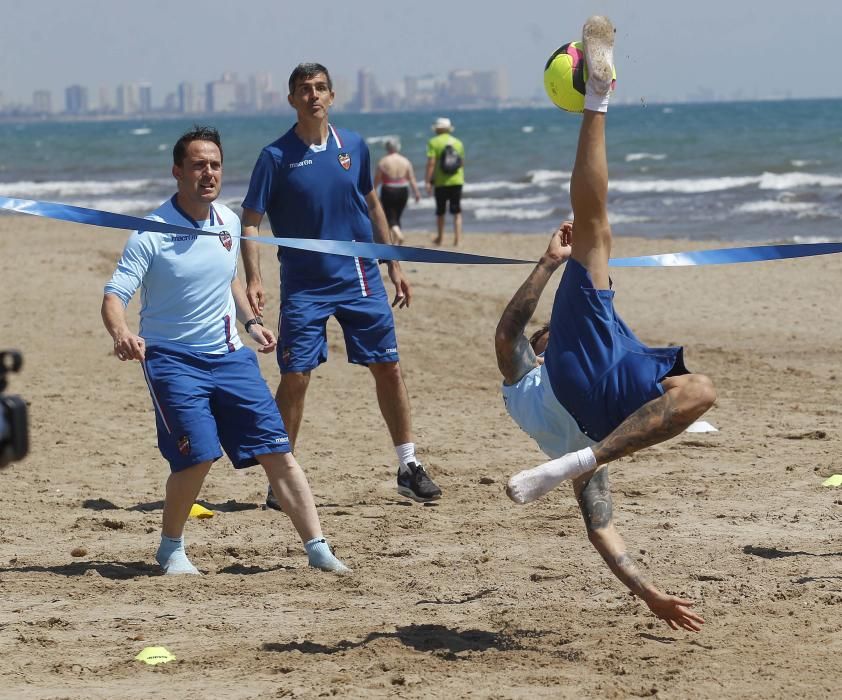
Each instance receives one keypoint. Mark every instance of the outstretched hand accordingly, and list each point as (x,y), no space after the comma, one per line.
(674,611)
(560,247)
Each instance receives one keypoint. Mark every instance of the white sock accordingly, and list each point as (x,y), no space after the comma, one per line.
(406,454)
(596,101)
(531,484)
(172,557)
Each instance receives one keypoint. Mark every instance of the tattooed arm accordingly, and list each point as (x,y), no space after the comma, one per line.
(594,496)
(515,356)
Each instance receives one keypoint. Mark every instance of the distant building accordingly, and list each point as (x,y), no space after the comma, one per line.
(144,94)
(259,85)
(105,105)
(223,95)
(420,91)
(187,98)
(366,91)
(493,85)
(171,103)
(42,102)
(343,90)
(76,100)
(128,101)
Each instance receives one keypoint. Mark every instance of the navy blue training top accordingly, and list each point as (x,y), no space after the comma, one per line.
(317,194)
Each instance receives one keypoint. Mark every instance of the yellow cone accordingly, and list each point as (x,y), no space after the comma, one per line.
(198,511)
(155,655)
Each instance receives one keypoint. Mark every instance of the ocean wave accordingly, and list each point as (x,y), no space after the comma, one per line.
(785,181)
(816,239)
(496,185)
(542,177)
(614,219)
(773,207)
(140,207)
(631,157)
(372,140)
(67,188)
(473,203)
(804,163)
(514,214)
(497,202)
(682,185)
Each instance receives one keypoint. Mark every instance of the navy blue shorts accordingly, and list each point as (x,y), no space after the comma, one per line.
(598,369)
(367,324)
(202,400)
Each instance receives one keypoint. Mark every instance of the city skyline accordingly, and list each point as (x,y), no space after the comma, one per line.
(257,92)
(717,49)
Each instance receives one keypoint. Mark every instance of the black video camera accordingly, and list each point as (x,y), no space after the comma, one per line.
(14,432)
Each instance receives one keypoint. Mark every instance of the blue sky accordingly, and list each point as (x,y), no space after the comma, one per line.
(666,50)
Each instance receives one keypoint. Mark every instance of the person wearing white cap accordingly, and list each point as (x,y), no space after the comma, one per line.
(445,177)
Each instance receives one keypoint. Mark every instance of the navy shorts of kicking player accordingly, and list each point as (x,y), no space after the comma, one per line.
(598,369)
(203,400)
(367,324)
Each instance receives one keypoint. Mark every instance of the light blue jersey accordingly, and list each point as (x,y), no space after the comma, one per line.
(534,407)
(185,280)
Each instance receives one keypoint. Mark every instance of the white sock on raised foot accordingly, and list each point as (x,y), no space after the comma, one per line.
(531,484)
(598,39)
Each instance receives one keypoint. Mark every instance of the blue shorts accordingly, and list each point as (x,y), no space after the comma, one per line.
(598,369)
(202,400)
(367,324)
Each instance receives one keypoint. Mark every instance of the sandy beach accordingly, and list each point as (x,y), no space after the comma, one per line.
(469,597)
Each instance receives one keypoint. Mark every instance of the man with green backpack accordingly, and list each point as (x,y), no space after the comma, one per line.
(445,177)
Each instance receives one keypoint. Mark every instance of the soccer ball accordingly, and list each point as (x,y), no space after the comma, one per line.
(565,76)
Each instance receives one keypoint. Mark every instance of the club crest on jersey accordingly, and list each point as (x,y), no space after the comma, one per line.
(225,239)
(184,445)
(345,160)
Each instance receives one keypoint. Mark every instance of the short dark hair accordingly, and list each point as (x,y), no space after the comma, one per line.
(197,133)
(305,71)
(537,335)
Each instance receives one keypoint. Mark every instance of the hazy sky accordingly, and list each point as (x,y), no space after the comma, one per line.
(666,49)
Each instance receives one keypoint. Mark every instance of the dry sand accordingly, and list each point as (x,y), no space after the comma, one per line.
(471,597)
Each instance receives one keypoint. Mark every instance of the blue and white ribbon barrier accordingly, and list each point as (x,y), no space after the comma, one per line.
(382,251)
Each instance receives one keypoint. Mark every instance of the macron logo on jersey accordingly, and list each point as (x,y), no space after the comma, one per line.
(300,164)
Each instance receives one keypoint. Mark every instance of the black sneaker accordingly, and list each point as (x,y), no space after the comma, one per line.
(272,502)
(415,484)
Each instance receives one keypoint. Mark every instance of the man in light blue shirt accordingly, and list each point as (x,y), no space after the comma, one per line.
(206,387)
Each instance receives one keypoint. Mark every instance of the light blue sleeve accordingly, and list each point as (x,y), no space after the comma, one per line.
(132,266)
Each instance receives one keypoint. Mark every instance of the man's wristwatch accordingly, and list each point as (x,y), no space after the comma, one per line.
(248,324)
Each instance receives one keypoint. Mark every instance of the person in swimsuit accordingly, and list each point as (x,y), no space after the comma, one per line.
(598,393)
(395,176)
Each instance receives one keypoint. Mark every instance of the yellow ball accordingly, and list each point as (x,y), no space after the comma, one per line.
(565,76)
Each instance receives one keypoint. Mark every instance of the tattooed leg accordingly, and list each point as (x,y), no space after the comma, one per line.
(684,400)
